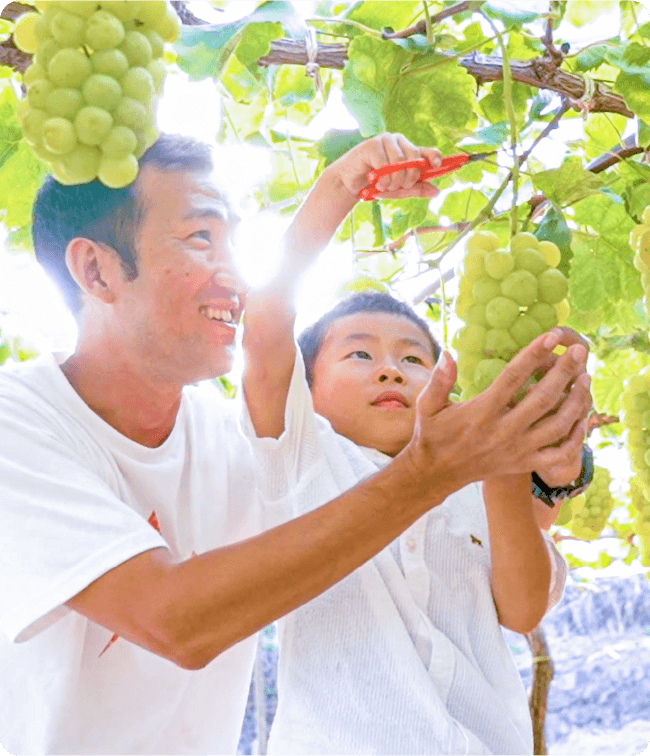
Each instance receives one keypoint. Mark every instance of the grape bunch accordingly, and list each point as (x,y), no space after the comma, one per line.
(506,298)
(590,510)
(640,244)
(91,88)
(636,421)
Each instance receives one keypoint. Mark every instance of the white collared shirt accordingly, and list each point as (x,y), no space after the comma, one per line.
(405,655)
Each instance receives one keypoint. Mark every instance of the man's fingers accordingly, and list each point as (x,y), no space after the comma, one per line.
(552,457)
(570,416)
(435,395)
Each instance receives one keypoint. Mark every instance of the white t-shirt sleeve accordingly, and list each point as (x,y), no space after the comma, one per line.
(285,461)
(62,527)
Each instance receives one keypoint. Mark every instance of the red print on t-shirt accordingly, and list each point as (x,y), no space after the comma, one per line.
(153,521)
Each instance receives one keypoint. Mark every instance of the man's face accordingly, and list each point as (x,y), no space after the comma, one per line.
(369,371)
(181,311)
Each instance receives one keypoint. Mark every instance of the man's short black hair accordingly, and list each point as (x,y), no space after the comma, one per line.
(311,339)
(107,216)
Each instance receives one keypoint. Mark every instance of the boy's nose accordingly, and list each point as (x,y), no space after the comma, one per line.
(389,373)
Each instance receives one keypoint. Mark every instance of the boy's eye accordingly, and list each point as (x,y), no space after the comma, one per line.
(415,360)
(360,354)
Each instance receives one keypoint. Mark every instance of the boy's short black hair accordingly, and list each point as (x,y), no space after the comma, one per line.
(108,216)
(311,339)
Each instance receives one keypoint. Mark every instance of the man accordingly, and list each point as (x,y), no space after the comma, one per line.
(133,569)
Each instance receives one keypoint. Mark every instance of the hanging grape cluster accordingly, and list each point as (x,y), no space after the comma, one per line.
(591,510)
(91,88)
(636,420)
(640,244)
(506,298)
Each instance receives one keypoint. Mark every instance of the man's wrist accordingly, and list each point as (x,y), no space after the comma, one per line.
(550,495)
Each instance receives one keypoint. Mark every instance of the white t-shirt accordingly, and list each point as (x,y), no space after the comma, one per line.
(405,655)
(78,498)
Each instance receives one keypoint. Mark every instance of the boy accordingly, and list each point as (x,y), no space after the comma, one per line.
(405,655)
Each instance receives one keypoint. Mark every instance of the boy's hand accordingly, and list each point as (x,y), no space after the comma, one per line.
(486,436)
(352,168)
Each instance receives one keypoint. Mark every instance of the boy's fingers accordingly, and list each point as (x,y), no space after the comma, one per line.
(435,395)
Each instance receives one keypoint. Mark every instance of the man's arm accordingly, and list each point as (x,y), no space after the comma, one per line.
(192,611)
(269,317)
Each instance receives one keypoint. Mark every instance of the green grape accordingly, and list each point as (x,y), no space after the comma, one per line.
(499,264)
(476,314)
(44,5)
(68,29)
(152,11)
(520,285)
(524,330)
(499,343)
(474,265)
(131,113)
(125,10)
(120,142)
(146,138)
(553,286)
(137,48)
(483,241)
(565,514)
(501,312)
(110,62)
(79,166)
(466,364)
(64,102)
(645,216)
(103,91)
(158,72)
(59,136)
(84,8)
(118,172)
(168,26)
(156,41)
(42,27)
(69,68)
(463,303)
(523,240)
(34,73)
(24,33)
(104,31)
(563,310)
(37,93)
(532,260)
(544,314)
(46,51)
(589,519)
(32,125)
(470,338)
(485,289)
(138,84)
(551,253)
(92,125)
(486,371)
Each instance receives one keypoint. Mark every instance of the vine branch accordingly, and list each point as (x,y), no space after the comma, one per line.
(421,26)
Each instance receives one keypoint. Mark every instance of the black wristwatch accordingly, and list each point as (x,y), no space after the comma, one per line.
(551,495)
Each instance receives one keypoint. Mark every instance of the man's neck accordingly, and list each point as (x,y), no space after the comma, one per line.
(135,405)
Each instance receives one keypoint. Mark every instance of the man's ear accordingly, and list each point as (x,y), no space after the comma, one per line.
(95,268)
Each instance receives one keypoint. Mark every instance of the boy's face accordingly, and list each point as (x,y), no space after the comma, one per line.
(369,371)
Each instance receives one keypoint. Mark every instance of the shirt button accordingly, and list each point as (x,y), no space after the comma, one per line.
(411,545)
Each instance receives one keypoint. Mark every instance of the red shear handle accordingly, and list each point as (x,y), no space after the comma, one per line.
(448,164)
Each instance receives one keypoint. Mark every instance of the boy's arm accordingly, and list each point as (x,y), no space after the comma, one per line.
(521,571)
(269,318)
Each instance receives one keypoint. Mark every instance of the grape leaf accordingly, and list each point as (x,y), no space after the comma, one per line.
(553,227)
(364,103)
(511,14)
(590,57)
(10,131)
(604,131)
(20,179)
(336,143)
(610,373)
(376,14)
(463,205)
(581,13)
(636,92)
(567,184)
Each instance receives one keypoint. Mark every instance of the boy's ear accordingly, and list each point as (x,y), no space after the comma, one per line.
(95,268)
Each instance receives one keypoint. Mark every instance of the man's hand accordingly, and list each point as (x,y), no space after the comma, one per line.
(351,169)
(487,436)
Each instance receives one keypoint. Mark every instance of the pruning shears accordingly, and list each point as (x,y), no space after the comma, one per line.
(448,164)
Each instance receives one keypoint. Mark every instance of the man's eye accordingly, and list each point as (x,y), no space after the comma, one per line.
(415,360)
(203,234)
(360,354)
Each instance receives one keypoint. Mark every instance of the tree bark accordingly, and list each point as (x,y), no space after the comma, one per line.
(542,675)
